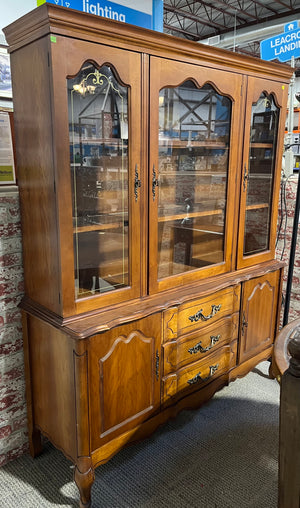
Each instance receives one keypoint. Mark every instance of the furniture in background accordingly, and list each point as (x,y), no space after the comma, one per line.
(286,367)
(149,172)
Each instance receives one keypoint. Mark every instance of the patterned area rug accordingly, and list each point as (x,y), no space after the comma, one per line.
(221,456)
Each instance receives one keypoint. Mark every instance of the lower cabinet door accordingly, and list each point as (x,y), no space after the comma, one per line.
(124,378)
(258,314)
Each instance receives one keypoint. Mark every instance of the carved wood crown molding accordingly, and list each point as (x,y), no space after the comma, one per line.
(58,20)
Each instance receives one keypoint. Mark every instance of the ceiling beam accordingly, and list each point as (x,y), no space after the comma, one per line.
(172,28)
(238,11)
(205,26)
(170,8)
(193,17)
(265,6)
(283,4)
(266,20)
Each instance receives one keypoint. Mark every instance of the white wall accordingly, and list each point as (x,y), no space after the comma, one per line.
(10,10)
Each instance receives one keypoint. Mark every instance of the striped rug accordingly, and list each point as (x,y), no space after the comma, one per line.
(221,456)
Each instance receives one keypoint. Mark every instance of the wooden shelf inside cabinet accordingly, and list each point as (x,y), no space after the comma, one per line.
(177,143)
(99,227)
(257,206)
(180,216)
(260,176)
(106,287)
(102,141)
(217,256)
(261,145)
(108,222)
(96,166)
(197,262)
(199,172)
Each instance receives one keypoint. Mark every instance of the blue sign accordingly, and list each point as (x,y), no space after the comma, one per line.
(150,17)
(283,46)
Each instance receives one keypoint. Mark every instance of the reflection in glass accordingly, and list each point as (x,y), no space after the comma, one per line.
(98,129)
(194,129)
(261,165)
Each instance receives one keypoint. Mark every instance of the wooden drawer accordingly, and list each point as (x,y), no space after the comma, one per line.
(195,376)
(197,314)
(199,344)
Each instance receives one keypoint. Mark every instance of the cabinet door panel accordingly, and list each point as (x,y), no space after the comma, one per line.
(124,378)
(264,127)
(101,116)
(193,159)
(258,314)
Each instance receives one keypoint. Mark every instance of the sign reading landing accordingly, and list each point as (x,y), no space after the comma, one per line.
(148,15)
(282,47)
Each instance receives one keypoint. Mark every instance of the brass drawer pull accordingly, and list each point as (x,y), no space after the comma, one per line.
(197,378)
(199,315)
(198,348)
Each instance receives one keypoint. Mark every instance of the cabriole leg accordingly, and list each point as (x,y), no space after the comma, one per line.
(84,477)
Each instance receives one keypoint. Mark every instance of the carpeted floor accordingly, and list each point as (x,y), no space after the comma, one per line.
(221,456)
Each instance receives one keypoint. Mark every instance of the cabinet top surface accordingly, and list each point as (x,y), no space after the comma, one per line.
(91,323)
(51,19)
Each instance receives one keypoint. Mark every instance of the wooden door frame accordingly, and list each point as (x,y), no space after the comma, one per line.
(67,57)
(256,86)
(172,73)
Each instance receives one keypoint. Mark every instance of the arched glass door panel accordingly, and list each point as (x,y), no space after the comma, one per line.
(259,175)
(98,133)
(194,139)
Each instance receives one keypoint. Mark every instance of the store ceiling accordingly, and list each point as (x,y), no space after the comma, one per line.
(225,19)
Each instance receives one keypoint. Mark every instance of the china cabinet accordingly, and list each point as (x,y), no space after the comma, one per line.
(149,171)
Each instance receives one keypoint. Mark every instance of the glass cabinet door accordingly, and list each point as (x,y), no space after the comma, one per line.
(190,177)
(99,175)
(193,155)
(102,183)
(259,176)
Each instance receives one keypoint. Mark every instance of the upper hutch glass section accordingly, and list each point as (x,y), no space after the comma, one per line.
(98,130)
(259,176)
(194,137)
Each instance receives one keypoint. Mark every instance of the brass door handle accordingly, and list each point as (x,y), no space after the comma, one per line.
(154,182)
(244,323)
(137,182)
(246,176)
(157,365)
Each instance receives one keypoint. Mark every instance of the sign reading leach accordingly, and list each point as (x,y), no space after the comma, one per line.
(283,46)
(123,10)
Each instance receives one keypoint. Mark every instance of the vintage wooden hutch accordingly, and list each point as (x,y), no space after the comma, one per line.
(149,173)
